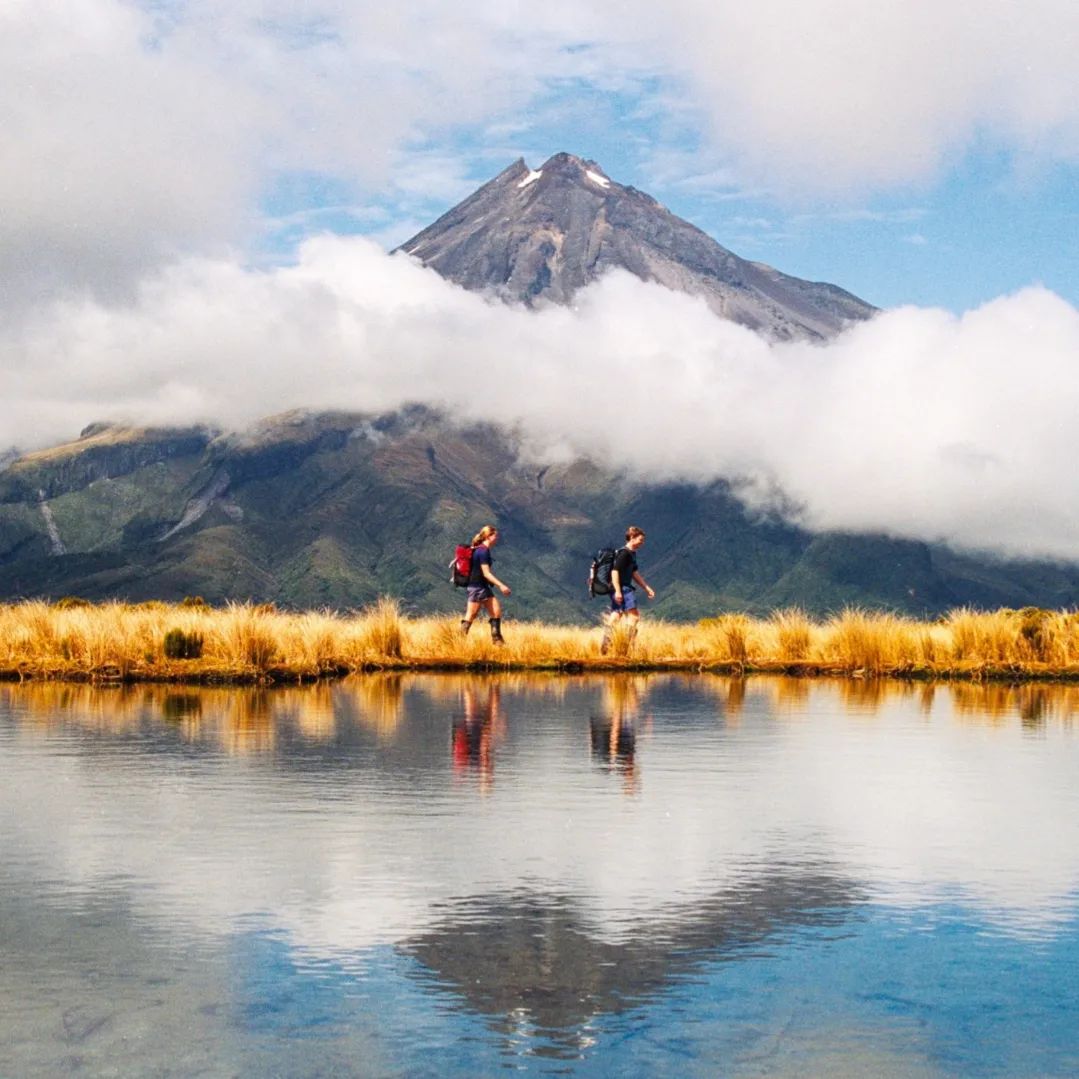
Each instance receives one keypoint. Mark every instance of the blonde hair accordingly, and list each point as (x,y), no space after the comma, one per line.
(483,534)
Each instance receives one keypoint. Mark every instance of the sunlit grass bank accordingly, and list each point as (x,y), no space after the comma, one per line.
(164,642)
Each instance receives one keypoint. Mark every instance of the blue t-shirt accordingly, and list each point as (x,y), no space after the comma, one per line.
(480,555)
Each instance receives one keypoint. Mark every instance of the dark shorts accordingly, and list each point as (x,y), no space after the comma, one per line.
(629,601)
(479,593)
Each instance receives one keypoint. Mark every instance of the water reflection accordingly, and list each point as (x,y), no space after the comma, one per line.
(246,720)
(236,720)
(377,702)
(1036,704)
(791,694)
(176,707)
(401,851)
(535,961)
(477,730)
(613,730)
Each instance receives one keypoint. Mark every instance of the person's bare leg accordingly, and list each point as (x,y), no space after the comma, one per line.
(471,611)
(608,632)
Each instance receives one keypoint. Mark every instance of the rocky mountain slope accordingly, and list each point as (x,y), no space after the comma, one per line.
(539,235)
(336,510)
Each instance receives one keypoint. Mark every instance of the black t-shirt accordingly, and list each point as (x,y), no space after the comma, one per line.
(625,561)
(480,555)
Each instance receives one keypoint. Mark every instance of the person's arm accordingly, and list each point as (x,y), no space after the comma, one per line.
(616,584)
(488,574)
(644,584)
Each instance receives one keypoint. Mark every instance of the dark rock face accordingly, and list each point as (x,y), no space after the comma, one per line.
(538,236)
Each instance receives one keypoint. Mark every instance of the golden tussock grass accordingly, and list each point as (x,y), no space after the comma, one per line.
(158,641)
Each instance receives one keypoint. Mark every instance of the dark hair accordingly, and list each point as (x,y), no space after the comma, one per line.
(632,531)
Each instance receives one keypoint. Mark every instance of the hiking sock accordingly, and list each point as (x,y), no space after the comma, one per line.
(466,625)
(496,630)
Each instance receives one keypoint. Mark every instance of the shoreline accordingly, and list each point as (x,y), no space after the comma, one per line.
(110,675)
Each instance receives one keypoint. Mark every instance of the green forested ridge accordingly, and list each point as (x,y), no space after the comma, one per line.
(335,510)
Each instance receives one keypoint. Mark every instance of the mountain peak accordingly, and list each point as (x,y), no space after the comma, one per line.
(539,235)
(559,169)
(572,167)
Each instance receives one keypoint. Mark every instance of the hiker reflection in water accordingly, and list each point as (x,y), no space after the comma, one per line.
(625,579)
(476,732)
(613,734)
(482,582)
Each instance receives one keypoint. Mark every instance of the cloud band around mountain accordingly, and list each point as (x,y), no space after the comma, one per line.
(918,423)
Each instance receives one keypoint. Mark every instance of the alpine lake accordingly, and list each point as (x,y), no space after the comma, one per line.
(442,875)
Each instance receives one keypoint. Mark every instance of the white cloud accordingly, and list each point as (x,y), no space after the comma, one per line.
(844,94)
(920,423)
(113,153)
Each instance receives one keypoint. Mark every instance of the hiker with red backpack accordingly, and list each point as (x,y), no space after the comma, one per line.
(480,581)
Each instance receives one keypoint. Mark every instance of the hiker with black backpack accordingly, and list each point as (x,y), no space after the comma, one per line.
(625,577)
(481,582)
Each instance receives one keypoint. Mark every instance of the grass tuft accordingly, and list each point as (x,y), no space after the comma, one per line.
(794,633)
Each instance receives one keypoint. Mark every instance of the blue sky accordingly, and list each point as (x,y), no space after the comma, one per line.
(197,200)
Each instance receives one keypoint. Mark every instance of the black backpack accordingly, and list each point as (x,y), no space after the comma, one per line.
(599,578)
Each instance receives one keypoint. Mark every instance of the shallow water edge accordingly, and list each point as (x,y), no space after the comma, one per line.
(178,674)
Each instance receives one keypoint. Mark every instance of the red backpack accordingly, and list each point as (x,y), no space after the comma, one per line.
(461,565)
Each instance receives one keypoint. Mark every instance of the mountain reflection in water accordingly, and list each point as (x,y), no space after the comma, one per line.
(535,960)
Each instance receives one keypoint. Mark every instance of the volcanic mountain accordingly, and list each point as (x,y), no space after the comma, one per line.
(539,235)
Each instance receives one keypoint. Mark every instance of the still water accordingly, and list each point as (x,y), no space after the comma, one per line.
(435,875)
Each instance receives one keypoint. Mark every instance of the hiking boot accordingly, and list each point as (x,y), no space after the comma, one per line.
(496,631)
